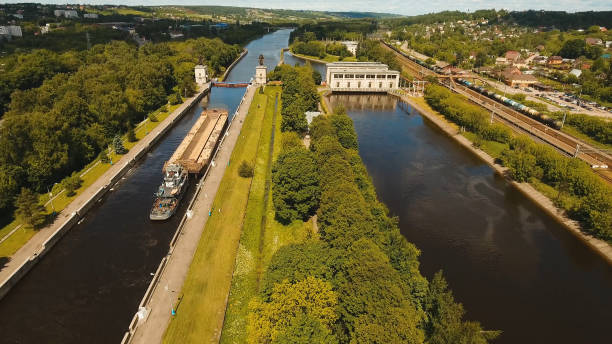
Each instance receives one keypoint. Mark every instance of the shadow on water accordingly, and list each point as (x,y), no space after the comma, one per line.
(512,266)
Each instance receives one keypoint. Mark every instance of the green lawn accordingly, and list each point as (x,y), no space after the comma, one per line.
(493,148)
(89,174)
(200,314)
(261,235)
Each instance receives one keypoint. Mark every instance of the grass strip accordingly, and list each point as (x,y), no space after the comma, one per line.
(200,313)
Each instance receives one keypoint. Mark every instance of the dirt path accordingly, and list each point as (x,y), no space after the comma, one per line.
(165,294)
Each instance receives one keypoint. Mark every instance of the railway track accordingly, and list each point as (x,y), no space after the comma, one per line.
(561,141)
(568,143)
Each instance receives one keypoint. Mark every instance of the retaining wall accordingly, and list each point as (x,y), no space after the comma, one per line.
(75,217)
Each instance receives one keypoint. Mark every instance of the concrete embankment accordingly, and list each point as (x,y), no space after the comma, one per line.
(229,69)
(600,246)
(149,324)
(33,251)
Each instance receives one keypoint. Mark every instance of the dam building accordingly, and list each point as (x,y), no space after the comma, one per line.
(361,77)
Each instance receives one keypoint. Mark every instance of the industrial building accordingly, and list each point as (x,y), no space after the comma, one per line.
(361,77)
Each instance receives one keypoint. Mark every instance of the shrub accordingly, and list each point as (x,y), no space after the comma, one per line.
(152,117)
(71,184)
(245,170)
(175,99)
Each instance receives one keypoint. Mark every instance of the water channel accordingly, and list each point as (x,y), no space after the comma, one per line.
(511,265)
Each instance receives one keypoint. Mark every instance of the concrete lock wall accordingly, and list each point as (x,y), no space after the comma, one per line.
(74,218)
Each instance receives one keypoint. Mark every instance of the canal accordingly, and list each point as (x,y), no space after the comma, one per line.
(512,266)
(87,289)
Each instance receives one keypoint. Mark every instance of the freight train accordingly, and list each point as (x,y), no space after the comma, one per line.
(525,110)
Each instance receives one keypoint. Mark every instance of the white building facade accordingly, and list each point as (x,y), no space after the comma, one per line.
(261,75)
(11,31)
(361,77)
(201,74)
(351,46)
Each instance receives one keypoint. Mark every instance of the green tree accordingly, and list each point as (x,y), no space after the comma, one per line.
(295,188)
(118,145)
(28,209)
(283,317)
(71,184)
(445,325)
(131,135)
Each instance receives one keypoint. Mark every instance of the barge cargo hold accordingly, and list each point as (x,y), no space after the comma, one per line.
(195,152)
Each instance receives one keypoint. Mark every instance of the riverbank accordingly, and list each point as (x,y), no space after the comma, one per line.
(198,239)
(600,246)
(230,67)
(31,253)
(328,58)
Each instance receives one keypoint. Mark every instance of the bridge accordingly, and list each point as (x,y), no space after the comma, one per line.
(230,84)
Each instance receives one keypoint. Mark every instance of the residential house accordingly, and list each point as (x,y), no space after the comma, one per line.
(500,61)
(576,72)
(512,56)
(90,15)
(10,31)
(554,61)
(593,41)
(515,78)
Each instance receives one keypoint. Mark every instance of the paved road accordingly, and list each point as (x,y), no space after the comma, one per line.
(34,245)
(151,330)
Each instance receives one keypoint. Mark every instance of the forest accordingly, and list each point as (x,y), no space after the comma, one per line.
(353,30)
(66,108)
(584,196)
(358,279)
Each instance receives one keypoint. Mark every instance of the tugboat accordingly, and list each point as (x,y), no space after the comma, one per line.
(170,192)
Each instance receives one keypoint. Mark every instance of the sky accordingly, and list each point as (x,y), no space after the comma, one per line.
(405,7)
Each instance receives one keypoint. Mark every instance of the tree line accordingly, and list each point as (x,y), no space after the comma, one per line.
(583,195)
(299,94)
(54,129)
(357,280)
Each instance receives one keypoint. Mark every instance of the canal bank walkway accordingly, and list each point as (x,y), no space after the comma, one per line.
(165,292)
(600,246)
(18,265)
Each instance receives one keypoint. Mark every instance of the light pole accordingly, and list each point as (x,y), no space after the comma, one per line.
(49,189)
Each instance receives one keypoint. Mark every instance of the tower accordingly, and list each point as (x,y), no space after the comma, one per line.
(201,74)
(261,72)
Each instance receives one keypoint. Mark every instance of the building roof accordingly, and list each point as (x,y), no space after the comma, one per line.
(512,55)
(199,67)
(576,72)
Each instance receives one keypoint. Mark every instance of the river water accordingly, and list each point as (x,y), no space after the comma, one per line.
(512,266)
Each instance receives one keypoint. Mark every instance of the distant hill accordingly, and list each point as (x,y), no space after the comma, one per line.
(358,15)
(560,20)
